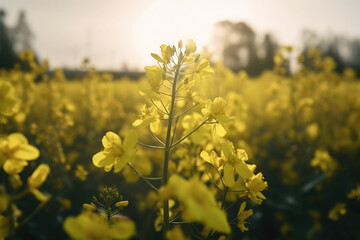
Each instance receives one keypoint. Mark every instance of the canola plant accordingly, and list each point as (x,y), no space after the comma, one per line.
(190,151)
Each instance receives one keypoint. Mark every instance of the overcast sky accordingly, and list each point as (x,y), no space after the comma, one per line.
(113,32)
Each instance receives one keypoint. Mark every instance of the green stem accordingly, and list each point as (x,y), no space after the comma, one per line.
(187,135)
(149,146)
(142,177)
(37,209)
(168,148)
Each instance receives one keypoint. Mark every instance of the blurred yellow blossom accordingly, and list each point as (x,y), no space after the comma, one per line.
(324,161)
(199,203)
(39,176)
(337,211)
(91,226)
(80,172)
(15,151)
(9,102)
(355,192)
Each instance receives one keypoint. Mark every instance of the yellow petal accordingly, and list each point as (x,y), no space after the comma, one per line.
(130,140)
(120,164)
(123,228)
(102,159)
(155,126)
(226,148)
(110,139)
(157,57)
(228,175)
(243,170)
(39,176)
(204,155)
(190,46)
(13,166)
(17,138)
(220,130)
(27,152)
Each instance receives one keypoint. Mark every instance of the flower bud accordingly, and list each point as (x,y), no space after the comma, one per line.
(90,207)
(122,204)
(39,176)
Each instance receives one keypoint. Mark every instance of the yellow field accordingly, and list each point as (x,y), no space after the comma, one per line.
(225,156)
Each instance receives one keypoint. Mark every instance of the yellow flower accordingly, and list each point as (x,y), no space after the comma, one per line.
(199,203)
(115,154)
(216,110)
(242,216)
(15,151)
(9,103)
(212,158)
(90,226)
(81,172)
(354,193)
(255,186)
(149,117)
(203,70)
(235,160)
(166,52)
(190,47)
(190,122)
(339,209)
(39,176)
(324,161)
(155,76)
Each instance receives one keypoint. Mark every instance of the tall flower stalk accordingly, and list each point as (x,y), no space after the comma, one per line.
(172,96)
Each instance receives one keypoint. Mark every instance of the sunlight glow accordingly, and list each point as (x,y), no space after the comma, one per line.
(174,20)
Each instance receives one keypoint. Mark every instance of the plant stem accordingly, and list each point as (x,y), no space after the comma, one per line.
(184,137)
(36,210)
(168,148)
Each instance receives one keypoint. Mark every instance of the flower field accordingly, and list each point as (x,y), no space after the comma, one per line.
(191,150)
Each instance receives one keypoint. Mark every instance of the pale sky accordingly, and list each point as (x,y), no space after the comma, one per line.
(113,32)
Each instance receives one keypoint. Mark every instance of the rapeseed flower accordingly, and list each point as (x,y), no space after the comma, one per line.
(216,110)
(148,117)
(354,193)
(116,153)
(9,102)
(235,160)
(337,211)
(15,151)
(91,226)
(324,161)
(254,186)
(242,216)
(198,201)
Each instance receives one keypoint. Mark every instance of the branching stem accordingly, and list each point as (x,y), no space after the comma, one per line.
(187,135)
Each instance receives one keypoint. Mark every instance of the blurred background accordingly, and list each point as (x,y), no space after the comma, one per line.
(118,35)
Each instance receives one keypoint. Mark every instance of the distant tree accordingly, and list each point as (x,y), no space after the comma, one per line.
(270,48)
(21,35)
(344,51)
(235,44)
(8,56)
